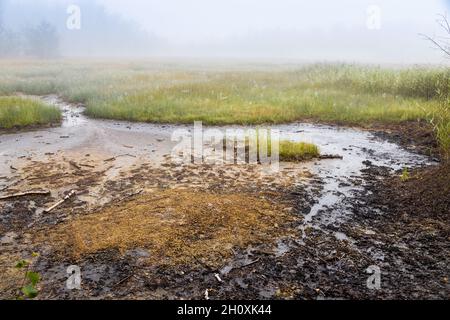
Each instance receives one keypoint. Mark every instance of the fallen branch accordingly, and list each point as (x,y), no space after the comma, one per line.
(71,194)
(124,279)
(75,165)
(121,155)
(330,156)
(87,165)
(248,264)
(24,194)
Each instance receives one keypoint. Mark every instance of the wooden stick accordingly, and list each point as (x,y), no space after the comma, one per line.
(119,156)
(217,276)
(248,264)
(75,165)
(28,193)
(124,279)
(71,194)
(330,156)
(87,165)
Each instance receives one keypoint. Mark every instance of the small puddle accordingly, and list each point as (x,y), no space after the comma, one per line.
(342,179)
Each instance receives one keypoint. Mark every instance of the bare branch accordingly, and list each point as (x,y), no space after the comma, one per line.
(441,43)
(446,50)
(444,23)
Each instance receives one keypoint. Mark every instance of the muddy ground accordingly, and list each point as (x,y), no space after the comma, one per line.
(142,230)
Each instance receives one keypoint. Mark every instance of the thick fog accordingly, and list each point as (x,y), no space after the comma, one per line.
(375,31)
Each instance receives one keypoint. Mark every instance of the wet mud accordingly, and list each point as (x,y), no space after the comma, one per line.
(140,226)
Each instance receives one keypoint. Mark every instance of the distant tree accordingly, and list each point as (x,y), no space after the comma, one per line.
(10,44)
(1,13)
(42,41)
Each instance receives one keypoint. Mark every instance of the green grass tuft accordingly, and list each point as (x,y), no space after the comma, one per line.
(297,151)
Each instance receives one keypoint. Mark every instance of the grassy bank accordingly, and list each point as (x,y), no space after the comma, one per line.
(236,94)
(16,112)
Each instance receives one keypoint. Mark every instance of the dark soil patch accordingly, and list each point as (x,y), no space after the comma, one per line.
(412,135)
(400,226)
(412,234)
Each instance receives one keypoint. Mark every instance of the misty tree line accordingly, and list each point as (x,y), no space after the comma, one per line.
(37,41)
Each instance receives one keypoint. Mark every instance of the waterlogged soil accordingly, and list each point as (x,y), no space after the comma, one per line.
(141,226)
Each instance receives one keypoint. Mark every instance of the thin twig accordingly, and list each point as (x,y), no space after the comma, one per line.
(72,193)
(28,193)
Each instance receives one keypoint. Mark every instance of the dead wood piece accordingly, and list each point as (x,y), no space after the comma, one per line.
(75,165)
(245,265)
(248,264)
(330,156)
(24,194)
(217,276)
(71,194)
(124,280)
(87,165)
(121,155)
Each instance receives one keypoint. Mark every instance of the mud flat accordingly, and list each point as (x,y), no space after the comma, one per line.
(142,227)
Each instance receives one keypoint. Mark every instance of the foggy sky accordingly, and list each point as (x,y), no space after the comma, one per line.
(323,30)
(297,29)
(190,20)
